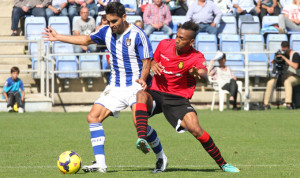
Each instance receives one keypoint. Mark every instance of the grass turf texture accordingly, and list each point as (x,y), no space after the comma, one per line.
(260,143)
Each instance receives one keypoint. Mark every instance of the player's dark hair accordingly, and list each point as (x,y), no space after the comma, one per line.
(224,56)
(285,44)
(115,8)
(14,69)
(190,25)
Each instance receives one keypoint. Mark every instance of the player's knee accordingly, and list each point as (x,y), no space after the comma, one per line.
(91,118)
(196,132)
(141,96)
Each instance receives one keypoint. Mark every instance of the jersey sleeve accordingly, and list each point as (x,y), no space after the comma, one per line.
(6,86)
(99,36)
(200,62)
(157,51)
(21,85)
(143,46)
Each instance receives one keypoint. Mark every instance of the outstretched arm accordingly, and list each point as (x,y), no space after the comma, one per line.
(52,35)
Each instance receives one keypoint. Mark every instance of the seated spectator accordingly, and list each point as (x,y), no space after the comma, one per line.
(75,5)
(225,6)
(206,14)
(245,7)
(141,6)
(102,23)
(57,7)
(84,26)
(26,7)
(283,3)
(139,24)
(224,76)
(101,6)
(290,17)
(157,17)
(177,7)
(268,7)
(11,91)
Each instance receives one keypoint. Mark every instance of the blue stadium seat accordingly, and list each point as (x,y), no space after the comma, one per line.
(89,63)
(98,20)
(249,27)
(60,24)
(268,21)
(156,38)
(274,43)
(255,43)
(295,42)
(133,18)
(129,4)
(65,63)
(228,25)
(207,43)
(232,43)
(34,66)
(34,26)
(175,21)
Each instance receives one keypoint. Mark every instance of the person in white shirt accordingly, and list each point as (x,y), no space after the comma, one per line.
(283,3)
(289,20)
(245,7)
(57,7)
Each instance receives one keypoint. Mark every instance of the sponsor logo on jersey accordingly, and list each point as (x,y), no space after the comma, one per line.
(180,65)
(164,57)
(128,42)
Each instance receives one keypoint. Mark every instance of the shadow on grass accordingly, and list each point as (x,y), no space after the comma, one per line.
(172,170)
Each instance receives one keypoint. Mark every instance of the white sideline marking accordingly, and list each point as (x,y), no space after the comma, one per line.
(148,166)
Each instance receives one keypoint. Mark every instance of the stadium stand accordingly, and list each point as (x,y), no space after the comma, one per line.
(65,63)
(156,38)
(249,27)
(228,25)
(232,43)
(207,43)
(273,43)
(129,4)
(60,24)
(267,21)
(98,20)
(295,42)
(133,18)
(34,26)
(89,63)
(256,43)
(175,21)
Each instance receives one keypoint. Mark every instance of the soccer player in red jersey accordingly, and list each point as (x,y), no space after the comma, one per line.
(176,64)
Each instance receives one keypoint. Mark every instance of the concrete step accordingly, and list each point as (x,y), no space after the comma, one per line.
(25,77)
(8,37)
(12,49)
(15,61)
(9,66)
(5,26)
(6,8)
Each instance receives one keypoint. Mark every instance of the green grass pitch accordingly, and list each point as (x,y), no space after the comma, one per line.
(260,143)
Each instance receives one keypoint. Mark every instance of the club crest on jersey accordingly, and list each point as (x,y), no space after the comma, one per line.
(180,65)
(204,63)
(128,42)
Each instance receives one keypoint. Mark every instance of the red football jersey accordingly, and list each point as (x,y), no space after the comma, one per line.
(175,78)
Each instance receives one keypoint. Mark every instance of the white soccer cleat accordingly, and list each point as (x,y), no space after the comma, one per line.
(21,110)
(9,109)
(161,165)
(94,168)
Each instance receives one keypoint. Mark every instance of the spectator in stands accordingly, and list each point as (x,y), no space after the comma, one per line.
(283,3)
(101,6)
(225,6)
(291,75)
(75,5)
(157,17)
(84,26)
(290,17)
(245,7)
(139,23)
(177,7)
(141,6)
(57,7)
(102,23)
(26,7)
(206,14)
(11,91)
(224,76)
(268,7)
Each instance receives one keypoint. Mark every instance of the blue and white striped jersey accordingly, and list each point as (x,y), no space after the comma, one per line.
(127,52)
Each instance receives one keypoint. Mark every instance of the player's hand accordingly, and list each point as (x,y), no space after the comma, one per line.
(194,72)
(50,34)
(156,68)
(142,82)
(239,10)
(25,8)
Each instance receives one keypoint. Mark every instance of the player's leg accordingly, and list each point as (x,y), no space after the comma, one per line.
(191,123)
(95,118)
(10,102)
(152,138)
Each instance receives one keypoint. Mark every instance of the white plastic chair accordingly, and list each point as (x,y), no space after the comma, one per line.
(218,90)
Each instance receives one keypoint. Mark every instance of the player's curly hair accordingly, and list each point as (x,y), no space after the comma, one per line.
(190,25)
(115,8)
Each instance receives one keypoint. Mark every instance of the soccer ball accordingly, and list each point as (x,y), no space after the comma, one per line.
(69,162)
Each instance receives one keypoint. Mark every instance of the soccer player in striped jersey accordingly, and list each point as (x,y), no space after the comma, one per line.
(130,65)
(176,64)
